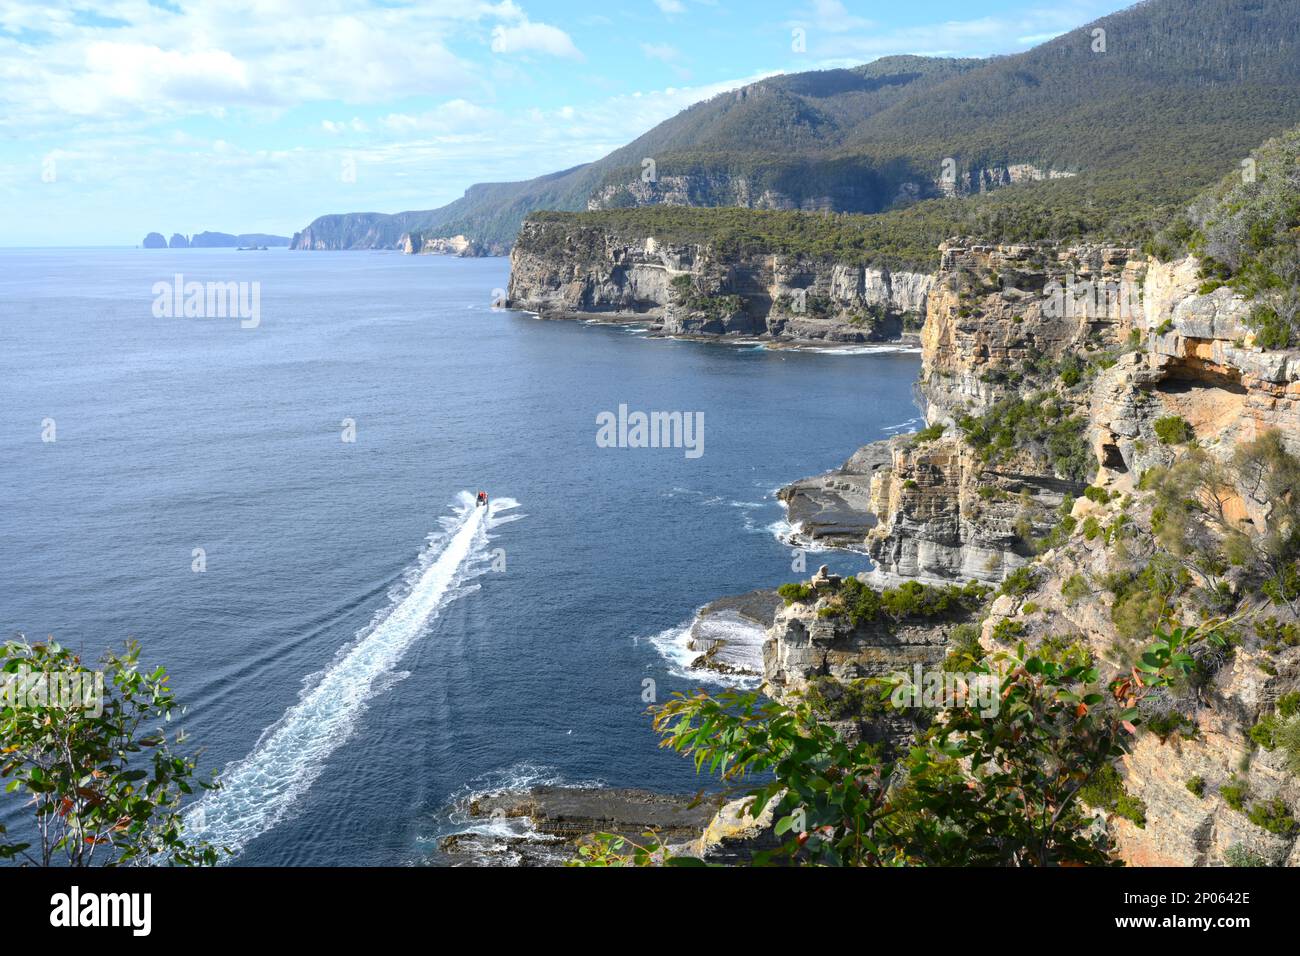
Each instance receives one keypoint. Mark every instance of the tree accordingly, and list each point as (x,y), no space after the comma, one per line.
(977,789)
(105,779)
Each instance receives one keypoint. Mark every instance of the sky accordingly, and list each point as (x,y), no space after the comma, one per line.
(129,116)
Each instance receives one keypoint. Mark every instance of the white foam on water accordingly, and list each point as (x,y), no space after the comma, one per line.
(743,641)
(259,790)
(910,425)
(497,832)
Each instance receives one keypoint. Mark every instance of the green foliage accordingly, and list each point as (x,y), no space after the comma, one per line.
(1099,495)
(1075,588)
(1243,856)
(929,433)
(1071,652)
(1173,430)
(1274,816)
(1020,582)
(964,649)
(1007,630)
(1040,424)
(1264,733)
(795,591)
(1244,232)
(832,699)
(1288,741)
(1234,793)
(1059,534)
(1105,791)
(1144,599)
(977,790)
(103,779)
(1275,634)
(911,599)
(1288,705)
(1171,723)
(1196,786)
(1193,521)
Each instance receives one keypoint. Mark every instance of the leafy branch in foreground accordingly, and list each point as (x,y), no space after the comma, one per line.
(977,789)
(105,779)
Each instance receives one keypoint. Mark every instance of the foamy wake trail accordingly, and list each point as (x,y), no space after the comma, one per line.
(259,790)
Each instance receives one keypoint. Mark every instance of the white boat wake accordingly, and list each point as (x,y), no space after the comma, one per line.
(259,790)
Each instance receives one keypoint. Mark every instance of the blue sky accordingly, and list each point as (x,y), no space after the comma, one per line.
(119,118)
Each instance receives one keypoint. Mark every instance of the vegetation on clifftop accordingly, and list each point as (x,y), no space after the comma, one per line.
(979,789)
(1246,234)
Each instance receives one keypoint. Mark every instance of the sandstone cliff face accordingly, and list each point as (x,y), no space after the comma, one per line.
(985,179)
(1196,362)
(804,649)
(691,289)
(863,190)
(415,243)
(997,309)
(937,521)
(713,189)
(1000,320)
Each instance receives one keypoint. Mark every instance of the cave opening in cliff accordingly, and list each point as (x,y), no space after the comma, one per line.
(1112,459)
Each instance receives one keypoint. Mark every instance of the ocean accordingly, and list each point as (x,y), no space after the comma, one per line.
(279,508)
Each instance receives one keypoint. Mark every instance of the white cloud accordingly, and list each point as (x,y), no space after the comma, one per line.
(529,37)
(671,7)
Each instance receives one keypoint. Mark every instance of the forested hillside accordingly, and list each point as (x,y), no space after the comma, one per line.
(1155,102)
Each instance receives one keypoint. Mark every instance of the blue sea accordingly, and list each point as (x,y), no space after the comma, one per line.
(281,514)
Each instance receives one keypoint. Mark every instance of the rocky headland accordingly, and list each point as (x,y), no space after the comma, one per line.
(568,268)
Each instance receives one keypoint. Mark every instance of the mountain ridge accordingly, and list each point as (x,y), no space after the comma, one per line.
(1164,92)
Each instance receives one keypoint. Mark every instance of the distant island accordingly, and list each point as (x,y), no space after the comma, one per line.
(214,240)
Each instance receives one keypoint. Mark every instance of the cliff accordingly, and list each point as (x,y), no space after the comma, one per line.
(416,243)
(1118,459)
(571,268)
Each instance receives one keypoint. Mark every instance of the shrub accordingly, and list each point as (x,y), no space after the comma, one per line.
(1234,793)
(1275,634)
(1040,423)
(1242,856)
(1271,330)
(929,433)
(1105,791)
(1288,705)
(1173,430)
(832,699)
(1007,630)
(1288,741)
(1196,786)
(1274,816)
(1075,588)
(1168,724)
(1020,581)
(1099,495)
(964,649)
(795,592)
(1264,733)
